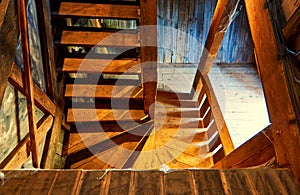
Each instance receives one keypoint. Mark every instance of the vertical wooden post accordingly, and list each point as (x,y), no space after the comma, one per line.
(28,80)
(149,53)
(285,132)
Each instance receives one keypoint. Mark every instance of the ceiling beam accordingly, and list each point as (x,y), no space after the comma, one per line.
(285,130)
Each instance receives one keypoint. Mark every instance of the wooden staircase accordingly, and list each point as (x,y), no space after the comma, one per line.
(118,120)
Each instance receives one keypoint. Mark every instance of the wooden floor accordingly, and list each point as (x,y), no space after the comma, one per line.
(243,181)
(238,89)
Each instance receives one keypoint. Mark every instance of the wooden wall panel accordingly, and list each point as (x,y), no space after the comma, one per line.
(8,41)
(192,18)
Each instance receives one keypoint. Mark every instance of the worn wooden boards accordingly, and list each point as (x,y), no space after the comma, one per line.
(239,181)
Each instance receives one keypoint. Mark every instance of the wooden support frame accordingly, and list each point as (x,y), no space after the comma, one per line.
(257,151)
(8,39)
(41,99)
(29,90)
(285,132)
(149,53)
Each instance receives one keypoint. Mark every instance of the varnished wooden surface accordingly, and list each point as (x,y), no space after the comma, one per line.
(105,66)
(103,91)
(272,71)
(71,9)
(235,181)
(88,38)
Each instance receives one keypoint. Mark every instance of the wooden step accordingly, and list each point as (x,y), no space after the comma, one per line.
(93,115)
(87,38)
(92,10)
(101,66)
(103,91)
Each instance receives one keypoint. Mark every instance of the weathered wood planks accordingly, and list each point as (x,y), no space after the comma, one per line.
(239,181)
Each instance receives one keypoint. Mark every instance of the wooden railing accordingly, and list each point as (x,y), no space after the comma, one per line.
(219,140)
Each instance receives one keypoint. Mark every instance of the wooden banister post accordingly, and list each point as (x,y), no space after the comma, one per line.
(149,53)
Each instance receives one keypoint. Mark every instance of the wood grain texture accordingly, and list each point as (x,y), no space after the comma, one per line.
(239,181)
(90,115)
(88,38)
(258,150)
(148,30)
(71,9)
(28,80)
(104,66)
(281,113)
(103,91)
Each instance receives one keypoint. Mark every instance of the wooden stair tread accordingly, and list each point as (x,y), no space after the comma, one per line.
(92,10)
(92,115)
(80,141)
(89,38)
(105,66)
(103,91)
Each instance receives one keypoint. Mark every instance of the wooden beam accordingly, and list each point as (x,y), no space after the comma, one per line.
(42,101)
(218,116)
(256,151)
(20,154)
(223,16)
(149,53)
(29,92)
(285,132)
(8,39)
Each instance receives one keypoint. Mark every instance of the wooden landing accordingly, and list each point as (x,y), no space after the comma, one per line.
(242,181)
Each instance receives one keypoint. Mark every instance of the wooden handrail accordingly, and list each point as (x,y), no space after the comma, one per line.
(29,91)
(206,91)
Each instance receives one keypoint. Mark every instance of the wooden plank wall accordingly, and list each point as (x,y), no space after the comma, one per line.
(192,19)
